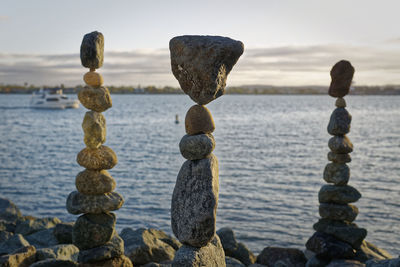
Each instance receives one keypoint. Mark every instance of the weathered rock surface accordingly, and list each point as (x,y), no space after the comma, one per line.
(93,230)
(55,263)
(339,123)
(41,239)
(122,261)
(199,120)
(327,247)
(34,225)
(22,257)
(342,74)
(13,243)
(96,99)
(63,232)
(201,64)
(211,255)
(340,145)
(94,129)
(102,158)
(8,226)
(340,102)
(339,158)
(60,252)
(4,235)
(345,263)
(338,194)
(369,251)
(198,146)
(338,174)
(232,262)
(194,202)
(270,256)
(93,79)
(90,182)
(8,210)
(148,245)
(383,263)
(338,212)
(317,262)
(79,203)
(92,50)
(234,249)
(112,249)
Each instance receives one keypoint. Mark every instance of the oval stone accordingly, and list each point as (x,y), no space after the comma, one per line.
(339,158)
(340,145)
(94,128)
(92,50)
(93,79)
(102,158)
(197,146)
(93,230)
(199,120)
(336,173)
(340,102)
(91,182)
(339,123)
(342,75)
(79,203)
(338,212)
(96,99)
(338,194)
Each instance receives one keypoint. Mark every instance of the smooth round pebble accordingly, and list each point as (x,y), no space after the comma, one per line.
(93,79)
(102,158)
(91,182)
(340,121)
(340,102)
(198,146)
(96,99)
(199,120)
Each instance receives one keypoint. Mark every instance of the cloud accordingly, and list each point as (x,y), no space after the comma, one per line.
(4,18)
(284,65)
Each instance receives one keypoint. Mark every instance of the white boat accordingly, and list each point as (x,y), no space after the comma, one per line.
(52,99)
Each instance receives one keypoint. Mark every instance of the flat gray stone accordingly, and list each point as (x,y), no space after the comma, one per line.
(42,239)
(63,232)
(92,50)
(339,158)
(201,64)
(327,247)
(339,123)
(31,226)
(8,210)
(13,243)
(338,212)
(112,249)
(93,230)
(340,145)
(94,129)
(232,262)
(338,174)
(60,252)
(198,146)
(338,194)
(211,255)
(194,202)
(78,203)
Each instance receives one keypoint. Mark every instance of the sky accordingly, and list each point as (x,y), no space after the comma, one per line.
(286,42)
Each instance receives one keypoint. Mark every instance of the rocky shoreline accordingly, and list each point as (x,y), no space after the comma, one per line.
(29,241)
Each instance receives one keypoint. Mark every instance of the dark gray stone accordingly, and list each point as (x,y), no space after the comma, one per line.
(338,212)
(228,240)
(4,235)
(338,194)
(92,50)
(42,239)
(211,255)
(7,226)
(201,64)
(112,249)
(55,263)
(317,262)
(243,254)
(79,203)
(270,256)
(328,247)
(63,232)
(33,225)
(144,246)
(345,263)
(339,123)
(342,74)
(336,173)
(194,202)
(93,230)
(198,146)
(8,210)
(232,262)
(340,145)
(13,243)
(339,158)
(384,263)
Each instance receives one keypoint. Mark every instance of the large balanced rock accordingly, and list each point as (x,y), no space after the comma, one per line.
(92,50)
(102,158)
(198,146)
(147,245)
(210,255)
(94,128)
(338,194)
(79,203)
(201,64)
(22,257)
(8,210)
(194,202)
(286,256)
(90,182)
(342,74)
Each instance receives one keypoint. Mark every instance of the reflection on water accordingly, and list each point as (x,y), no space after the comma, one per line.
(271,149)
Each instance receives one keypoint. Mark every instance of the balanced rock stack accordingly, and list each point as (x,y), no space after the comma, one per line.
(337,237)
(94,231)
(201,64)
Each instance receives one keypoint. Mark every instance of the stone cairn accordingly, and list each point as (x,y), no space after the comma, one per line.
(337,237)
(201,64)
(94,231)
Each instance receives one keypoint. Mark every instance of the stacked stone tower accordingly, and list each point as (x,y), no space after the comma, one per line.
(201,64)
(337,237)
(94,231)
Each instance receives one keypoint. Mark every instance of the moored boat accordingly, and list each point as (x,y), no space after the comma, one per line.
(52,99)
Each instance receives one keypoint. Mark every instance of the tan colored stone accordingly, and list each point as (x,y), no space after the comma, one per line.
(93,79)
(199,120)
(22,257)
(340,103)
(122,261)
(94,128)
(102,158)
(96,99)
(91,182)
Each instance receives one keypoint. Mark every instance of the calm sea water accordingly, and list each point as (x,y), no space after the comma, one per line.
(271,150)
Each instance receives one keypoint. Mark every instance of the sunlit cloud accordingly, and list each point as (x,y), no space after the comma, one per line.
(284,65)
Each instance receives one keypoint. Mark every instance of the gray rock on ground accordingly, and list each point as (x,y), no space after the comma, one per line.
(8,210)
(327,247)
(211,255)
(31,226)
(201,64)
(345,263)
(232,262)
(4,235)
(194,202)
(198,146)
(369,251)
(42,239)
(22,257)
(60,252)
(92,50)
(383,263)
(275,256)
(15,242)
(63,232)
(55,263)
(78,203)
(112,249)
